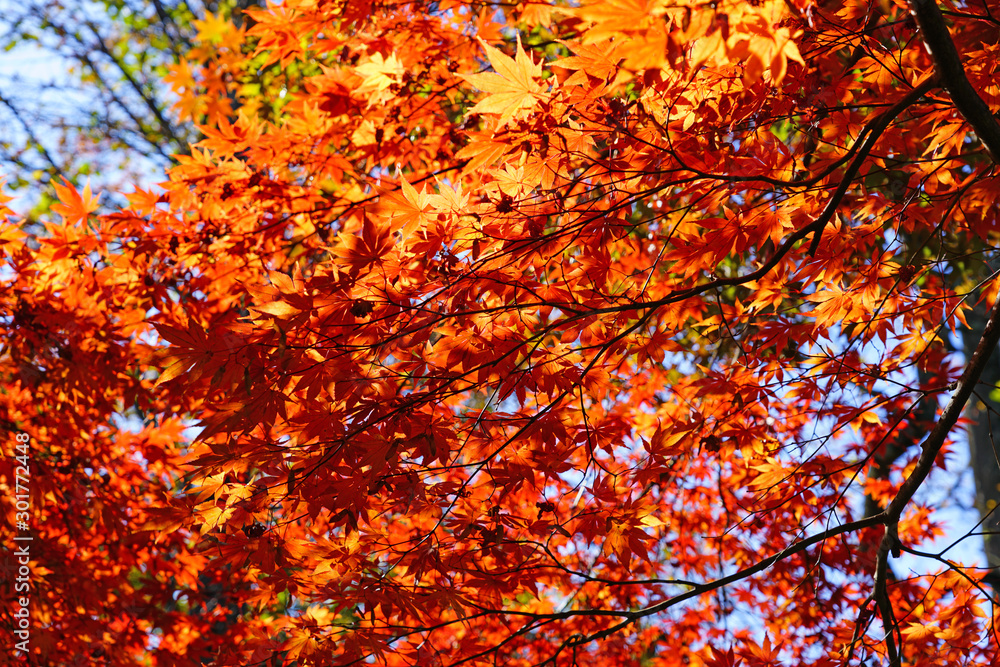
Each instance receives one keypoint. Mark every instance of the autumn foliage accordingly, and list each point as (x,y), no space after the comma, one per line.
(521,334)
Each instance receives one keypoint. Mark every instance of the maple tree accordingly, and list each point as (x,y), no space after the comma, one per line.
(527,334)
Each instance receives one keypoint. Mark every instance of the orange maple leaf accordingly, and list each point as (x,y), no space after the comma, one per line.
(74,206)
(358,252)
(405,208)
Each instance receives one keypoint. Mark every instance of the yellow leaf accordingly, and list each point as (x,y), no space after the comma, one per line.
(279,309)
(213,28)
(378,74)
(214,517)
(512,85)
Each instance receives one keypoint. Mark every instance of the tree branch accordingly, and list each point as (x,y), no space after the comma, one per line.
(760,566)
(948,66)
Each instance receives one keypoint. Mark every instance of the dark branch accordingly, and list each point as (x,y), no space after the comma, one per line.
(950,71)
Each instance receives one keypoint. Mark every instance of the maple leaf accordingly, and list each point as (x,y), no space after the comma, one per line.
(4,199)
(75,206)
(512,86)
(378,74)
(405,208)
(358,252)
(720,659)
(212,28)
(597,60)
(615,17)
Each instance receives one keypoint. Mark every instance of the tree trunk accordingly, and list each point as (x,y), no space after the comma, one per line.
(984,411)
